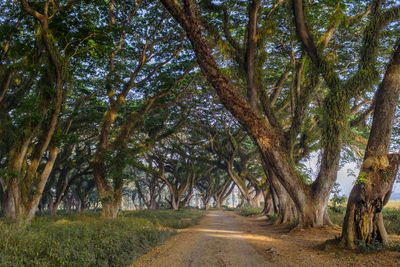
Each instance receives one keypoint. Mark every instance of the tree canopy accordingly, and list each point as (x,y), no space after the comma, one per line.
(165,101)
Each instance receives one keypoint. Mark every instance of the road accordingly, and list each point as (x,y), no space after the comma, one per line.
(226,239)
(219,240)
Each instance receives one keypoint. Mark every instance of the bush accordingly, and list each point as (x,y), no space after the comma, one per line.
(84,239)
(272,218)
(247,211)
(169,218)
(391,218)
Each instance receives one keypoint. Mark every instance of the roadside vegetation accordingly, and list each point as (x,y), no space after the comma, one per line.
(391,214)
(391,217)
(87,239)
(132,105)
(249,211)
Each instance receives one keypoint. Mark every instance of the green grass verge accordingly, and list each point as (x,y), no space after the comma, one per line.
(247,211)
(169,218)
(391,218)
(87,239)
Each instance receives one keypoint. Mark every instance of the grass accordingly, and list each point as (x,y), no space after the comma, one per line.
(391,217)
(247,211)
(168,218)
(89,240)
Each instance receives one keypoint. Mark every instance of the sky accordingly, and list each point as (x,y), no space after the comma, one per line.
(345,180)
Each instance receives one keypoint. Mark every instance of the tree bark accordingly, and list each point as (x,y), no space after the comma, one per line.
(268,204)
(363,220)
(286,207)
(109,209)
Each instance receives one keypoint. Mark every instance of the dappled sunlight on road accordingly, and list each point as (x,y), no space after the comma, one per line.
(227,239)
(229,234)
(216,231)
(221,239)
(243,237)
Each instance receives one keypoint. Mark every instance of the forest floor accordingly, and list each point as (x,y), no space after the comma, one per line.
(223,238)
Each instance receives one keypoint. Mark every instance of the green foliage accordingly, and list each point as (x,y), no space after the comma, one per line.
(391,218)
(247,211)
(385,174)
(169,218)
(88,240)
(272,218)
(293,224)
(361,179)
(338,199)
(372,248)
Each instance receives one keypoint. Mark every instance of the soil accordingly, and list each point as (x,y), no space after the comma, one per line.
(226,239)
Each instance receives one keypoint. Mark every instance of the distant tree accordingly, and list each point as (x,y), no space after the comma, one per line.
(338,198)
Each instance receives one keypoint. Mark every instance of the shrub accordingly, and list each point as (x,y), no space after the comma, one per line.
(86,239)
(247,211)
(169,218)
(272,218)
(391,218)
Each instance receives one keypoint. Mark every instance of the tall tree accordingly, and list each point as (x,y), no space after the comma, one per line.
(363,221)
(310,199)
(144,36)
(25,178)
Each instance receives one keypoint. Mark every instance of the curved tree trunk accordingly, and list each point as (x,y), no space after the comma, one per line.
(263,129)
(174,202)
(218,202)
(286,208)
(363,221)
(206,201)
(21,207)
(268,204)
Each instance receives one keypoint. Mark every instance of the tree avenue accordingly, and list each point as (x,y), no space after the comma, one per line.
(140,104)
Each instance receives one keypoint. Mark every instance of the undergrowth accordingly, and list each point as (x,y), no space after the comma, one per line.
(168,218)
(247,211)
(87,239)
(391,218)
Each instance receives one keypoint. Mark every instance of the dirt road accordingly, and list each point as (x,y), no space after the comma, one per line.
(226,239)
(219,240)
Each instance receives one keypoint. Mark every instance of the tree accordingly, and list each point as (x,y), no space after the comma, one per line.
(147,40)
(25,178)
(338,198)
(363,221)
(149,186)
(310,199)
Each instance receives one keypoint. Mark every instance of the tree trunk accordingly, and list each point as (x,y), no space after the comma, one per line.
(218,202)
(110,197)
(109,209)
(153,203)
(12,206)
(53,207)
(262,129)
(206,202)
(286,208)
(255,202)
(110,203)
(363,220)
(174,203)
(268,203)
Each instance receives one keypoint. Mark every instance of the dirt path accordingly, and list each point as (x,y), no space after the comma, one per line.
(226,239)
